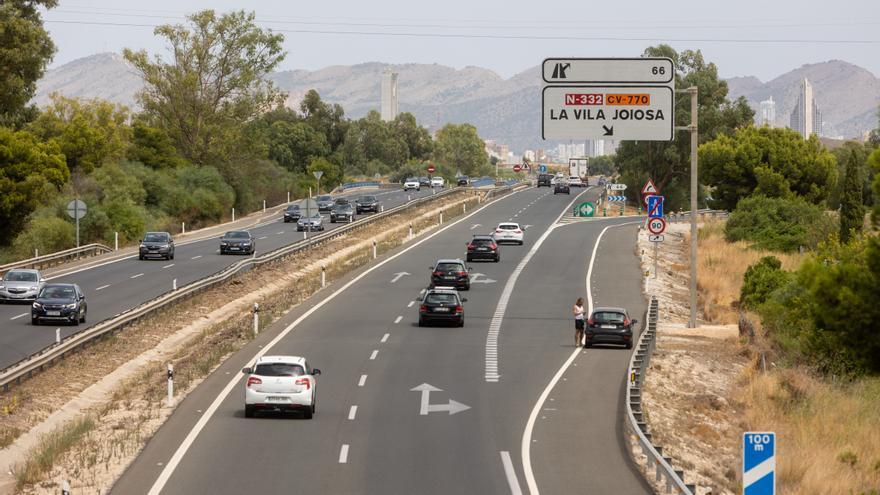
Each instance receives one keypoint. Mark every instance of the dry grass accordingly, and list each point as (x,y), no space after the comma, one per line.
(51,447)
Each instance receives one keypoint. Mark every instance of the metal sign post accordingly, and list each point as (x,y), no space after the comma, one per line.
(76,209)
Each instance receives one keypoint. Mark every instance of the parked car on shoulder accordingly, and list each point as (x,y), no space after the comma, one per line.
(451,273)
(21,284)
(483,247)
(156,245)
(342,213)
(292,213)
(281,384)
(238,242)
(316,222)
(366,203)
(412,184)
(60,303)
(441,305)
(609,325)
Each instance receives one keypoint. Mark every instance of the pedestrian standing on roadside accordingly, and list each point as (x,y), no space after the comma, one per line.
(578,311)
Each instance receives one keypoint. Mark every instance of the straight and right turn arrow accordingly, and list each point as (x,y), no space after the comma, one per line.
(426,407)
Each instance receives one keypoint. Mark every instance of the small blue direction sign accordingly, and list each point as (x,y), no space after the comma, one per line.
(759,463)
(542,169)
(655,206)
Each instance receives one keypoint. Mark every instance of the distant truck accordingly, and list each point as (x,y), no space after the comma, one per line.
(577,167)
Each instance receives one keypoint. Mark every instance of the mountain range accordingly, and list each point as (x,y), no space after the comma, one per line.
(506,110)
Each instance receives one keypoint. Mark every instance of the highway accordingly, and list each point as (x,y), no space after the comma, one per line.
(539,415)
(116,286)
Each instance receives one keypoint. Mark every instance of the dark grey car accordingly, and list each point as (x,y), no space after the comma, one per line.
(325,202)
(342,213)
(60,302)
(238,241)
(156,245)
(366,203)
(609,325)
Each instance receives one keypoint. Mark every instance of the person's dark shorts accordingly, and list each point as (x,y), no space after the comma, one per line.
(578,324)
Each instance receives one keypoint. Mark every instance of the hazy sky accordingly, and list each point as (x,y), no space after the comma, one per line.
(507,36)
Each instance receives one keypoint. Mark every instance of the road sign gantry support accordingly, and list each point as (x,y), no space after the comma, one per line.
(692,128)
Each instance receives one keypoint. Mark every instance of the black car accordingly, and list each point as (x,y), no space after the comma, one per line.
(609,326)
(424,181)
(545,180)
(342,213)
(561,187)
(325,202)
(483,247)
(156,244)
(451,273)
(463,180)
(441,304)
(59,302)
(238,241)
(366,203)
(292,213)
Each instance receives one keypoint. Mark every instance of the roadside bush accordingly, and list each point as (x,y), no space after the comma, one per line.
(127,219)
(760,280)
(46,233)
(779,224)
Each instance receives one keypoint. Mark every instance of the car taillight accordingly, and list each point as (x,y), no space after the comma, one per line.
(252,380)
(499,231)
(438,274)
(626,322)
(518,231)
(423,308)
(493,246)
(470,247)
(591,322)
(462,274)
(304,381)
(459,309)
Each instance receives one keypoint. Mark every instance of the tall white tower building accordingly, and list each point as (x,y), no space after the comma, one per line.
(768,113)
(388,108)
(806,118)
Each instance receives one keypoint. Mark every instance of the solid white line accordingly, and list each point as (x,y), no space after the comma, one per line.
(526,443)
(136,276)
(374,354)
(190,438)
(196,257)
(397,320)
(168,266)
(19,316)
(362,381)
(352,412)
(410,304)
(101,287)
(385,338)
(343,454)
(510,473)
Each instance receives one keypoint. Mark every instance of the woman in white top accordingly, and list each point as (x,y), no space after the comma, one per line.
(578,311)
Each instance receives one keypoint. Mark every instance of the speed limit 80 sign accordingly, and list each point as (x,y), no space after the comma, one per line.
(656,225)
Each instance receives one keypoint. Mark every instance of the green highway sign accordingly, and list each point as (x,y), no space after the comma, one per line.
(585,209)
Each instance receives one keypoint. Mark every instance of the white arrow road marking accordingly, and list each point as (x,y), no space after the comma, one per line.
(426,407)
(475,276)
(399,275)
(475,226)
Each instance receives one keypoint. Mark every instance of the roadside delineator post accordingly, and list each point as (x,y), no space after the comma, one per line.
(174,284)
(116,241)
(410,232)
(57,336)
(233,214)
(323,276)
(170,385)
(374,249)
(441,218)
(463,208)
(264,206)
(183,227)
(65,488)
(256,319)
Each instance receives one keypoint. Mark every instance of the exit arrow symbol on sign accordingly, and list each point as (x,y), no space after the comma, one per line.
(609,131)
(426,407)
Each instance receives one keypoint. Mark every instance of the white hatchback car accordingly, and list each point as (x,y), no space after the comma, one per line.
(411,183)
(280,383)
(508,232)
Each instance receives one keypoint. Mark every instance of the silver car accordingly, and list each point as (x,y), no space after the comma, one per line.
(316,222)
(21,284)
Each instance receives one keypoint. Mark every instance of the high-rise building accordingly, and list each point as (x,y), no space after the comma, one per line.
(768,113)
(388,109)
(806,118)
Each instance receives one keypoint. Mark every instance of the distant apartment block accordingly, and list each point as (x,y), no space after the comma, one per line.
(388,109)
(768,113)
(806,118)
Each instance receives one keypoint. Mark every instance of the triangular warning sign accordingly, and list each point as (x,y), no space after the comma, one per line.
(649,188)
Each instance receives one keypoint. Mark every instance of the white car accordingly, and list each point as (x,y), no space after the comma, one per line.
(437,182)
(280,383)
(412,183)
(21,284)
(575,181)
(508,232)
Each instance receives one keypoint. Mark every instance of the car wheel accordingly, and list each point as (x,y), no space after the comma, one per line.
(332,220)
(629,345)
(75,321)
(82,319)
(461,323)
(172,255)
(587,343)
(249,411)
(470,259)
(141,257)
(35,321)
(421,322)
(307,413)
(467,287)
(497,259)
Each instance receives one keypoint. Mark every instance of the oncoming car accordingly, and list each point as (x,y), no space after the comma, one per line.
(158,244)
(292,213)
(316,222)
(237,241)
(60,302)
(437,182)
(366,203)
(441,305)
(609,325)
(325,202)
(342,213)
(21,284)
(281,383)
(412,183)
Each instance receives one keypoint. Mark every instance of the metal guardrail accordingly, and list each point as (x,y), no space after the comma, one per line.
(635,421)
(46,356)
(57,257)
(683,216)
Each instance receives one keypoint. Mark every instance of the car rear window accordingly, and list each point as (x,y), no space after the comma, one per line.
(508,227)
(15,276)
(609,317)
(450,267)
(279,369)
(441,299)
(482,242)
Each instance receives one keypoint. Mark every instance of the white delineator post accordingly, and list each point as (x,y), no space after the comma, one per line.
(57,335)
(374,249)
(264,206)
(441,218)
(116,241)
(233,214)
(174,284)
(256,319)
(288,196)
(410,232)
(170,385)
(323,276)
(183,227)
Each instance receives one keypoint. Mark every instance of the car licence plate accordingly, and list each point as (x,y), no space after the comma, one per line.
(53,313)
(233,249)
(441,310)
(482,249)
(273,398)
(610,327)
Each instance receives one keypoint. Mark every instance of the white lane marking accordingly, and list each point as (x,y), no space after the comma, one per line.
(261,238)
(397,320)
(385,338)
(526,445)
(19,316)
(196,257)
(374,354)
(352,412)
(279,233)
(168,266)
(343,454)
(510,473)
(102,287)
(491,364)
(190,438)
(410,304)
(136,276)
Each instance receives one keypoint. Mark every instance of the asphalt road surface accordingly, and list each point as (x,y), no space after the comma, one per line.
(114,287)
(369,434)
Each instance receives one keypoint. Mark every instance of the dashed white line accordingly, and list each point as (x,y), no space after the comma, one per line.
(410,304)
(374,354)
(279,233)
(261,238)
(102,287)
(385,338)
(510,473)
(196,257)
(397,320)
(343,454)
(168,266)
(19,316)
(136,276)
(362,381)
(352,412)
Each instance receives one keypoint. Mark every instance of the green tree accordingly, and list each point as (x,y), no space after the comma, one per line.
(31,172)
(25,49)
(417,138)
(458,146)
(602,165)
(328,119)
(214,84)
(842,155)
(89,132)
(852,211)
(874,164)
(332,174)
(369,139)
(771,162)
(294,144)
(668,163)
(153,147)
(778,224)
(760,280)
